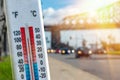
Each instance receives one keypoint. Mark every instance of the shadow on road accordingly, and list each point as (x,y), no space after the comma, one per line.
(73,58)
(94,58)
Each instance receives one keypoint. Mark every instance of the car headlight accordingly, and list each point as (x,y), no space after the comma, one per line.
(90,52)
(52,51)
(79,52)
(48,51)
(73,51)
(68,51)
(59,51)
(63,51)
(105,51)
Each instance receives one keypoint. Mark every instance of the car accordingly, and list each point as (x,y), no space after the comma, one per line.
(65,51)
(50,50)
(82,51)
(57,51)
(100,51)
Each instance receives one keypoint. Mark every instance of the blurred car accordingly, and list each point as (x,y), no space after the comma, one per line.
(65,51)
(100,51)
(82,51)
(50,51)
(57,51)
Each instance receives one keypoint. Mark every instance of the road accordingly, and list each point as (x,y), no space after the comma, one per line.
(106,67)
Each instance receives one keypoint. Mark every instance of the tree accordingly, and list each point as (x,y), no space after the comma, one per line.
(104,44)
(3,27)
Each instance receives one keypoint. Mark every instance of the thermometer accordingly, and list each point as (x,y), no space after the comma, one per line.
(27,39)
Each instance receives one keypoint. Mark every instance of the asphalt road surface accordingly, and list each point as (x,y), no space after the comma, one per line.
(106,67)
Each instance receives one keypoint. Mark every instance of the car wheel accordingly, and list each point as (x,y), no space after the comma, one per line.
(77,56)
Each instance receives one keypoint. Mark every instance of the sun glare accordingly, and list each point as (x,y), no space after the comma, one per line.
(91,5)
(100,13)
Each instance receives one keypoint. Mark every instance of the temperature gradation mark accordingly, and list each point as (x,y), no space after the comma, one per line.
(33,50)
(24,45)
(29,52)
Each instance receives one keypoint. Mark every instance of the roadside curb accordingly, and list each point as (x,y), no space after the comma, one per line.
(62,71)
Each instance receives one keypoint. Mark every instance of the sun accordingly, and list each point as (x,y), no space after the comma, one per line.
(91,5)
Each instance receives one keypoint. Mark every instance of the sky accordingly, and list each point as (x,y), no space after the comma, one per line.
(55,10)
(55,4)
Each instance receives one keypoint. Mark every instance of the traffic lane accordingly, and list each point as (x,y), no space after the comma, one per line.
(103,66)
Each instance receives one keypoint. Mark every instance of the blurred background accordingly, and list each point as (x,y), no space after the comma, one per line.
(70,23)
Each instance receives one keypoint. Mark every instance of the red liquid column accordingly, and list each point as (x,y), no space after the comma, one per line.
(33,50)
(25,53)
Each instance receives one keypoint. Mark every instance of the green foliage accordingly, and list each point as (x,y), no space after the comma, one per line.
(114,52)
(5,69)
(115,47)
